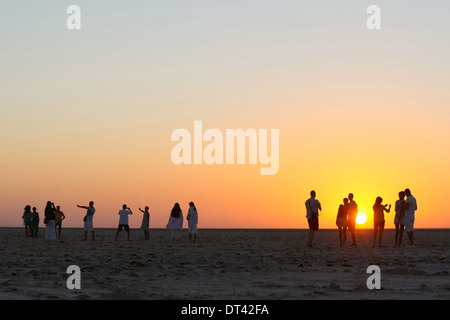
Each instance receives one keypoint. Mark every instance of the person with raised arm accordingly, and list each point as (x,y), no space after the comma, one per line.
(88,220)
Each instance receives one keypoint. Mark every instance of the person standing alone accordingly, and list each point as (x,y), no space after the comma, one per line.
(312,214)
(88,220)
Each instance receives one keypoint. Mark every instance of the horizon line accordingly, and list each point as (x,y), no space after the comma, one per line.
(218,228)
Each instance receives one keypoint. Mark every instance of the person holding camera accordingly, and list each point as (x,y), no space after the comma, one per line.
(123,220)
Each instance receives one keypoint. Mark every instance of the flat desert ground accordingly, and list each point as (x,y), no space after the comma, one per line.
(235,264)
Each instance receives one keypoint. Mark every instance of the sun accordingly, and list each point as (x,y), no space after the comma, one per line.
(361,218)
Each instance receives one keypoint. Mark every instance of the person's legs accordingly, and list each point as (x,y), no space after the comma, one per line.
(402,228)
(380,237)
(340,236)
(397,233)
(375,231)
(344,233)
(58,226)
(310,238)
(353,233)
(410,237)
(409,223)
(313,224)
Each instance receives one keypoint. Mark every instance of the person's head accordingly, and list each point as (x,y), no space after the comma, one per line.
(378,200)
(407,192)
(34,209)
(146,208)
(176,210)
(191,204)
(345,201)
(58,207)
(91,203)
(27,208)
(124,206)
(313,194)
(401,195)
(350,196)
(49,204)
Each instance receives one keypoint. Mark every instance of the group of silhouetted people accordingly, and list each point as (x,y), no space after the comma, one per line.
(53,218)
(348,211)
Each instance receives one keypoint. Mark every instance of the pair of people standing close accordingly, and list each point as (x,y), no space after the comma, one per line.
(175,223)
(31,221)
(404,217)
(346,219)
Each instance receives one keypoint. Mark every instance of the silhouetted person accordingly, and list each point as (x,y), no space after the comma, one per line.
(192,218)
(145,222)
(49,221)
(341,222)
(88,220)
(175,222)
(312,214)
(399,220)
(123,221)
(59,217)
(34,223)
(410,209)
(378,220)
(351,217)
(27,216)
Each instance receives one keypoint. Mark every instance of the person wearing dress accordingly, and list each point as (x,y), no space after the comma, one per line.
(175,223)
(192,218)
(145,222)
(49,220)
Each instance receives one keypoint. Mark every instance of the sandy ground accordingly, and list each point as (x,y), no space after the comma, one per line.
(223,264)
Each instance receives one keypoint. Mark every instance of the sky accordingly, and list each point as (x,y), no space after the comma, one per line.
(88,114)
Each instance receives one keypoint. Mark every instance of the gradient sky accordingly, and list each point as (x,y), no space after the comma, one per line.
(88,114)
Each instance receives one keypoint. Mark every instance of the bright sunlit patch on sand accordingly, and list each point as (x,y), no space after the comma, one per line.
(361,218)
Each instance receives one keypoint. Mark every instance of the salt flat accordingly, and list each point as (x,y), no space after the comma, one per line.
(247,264)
